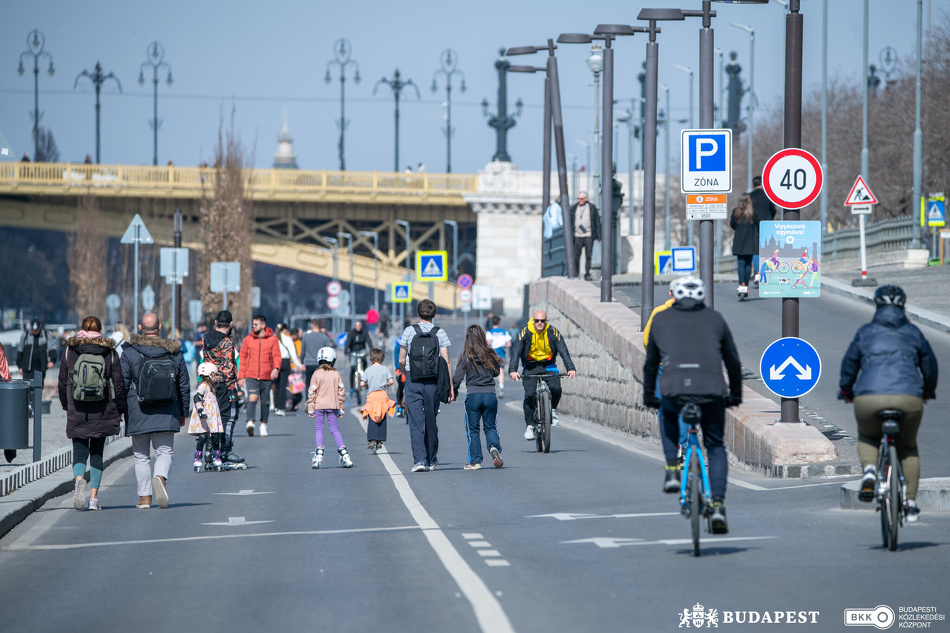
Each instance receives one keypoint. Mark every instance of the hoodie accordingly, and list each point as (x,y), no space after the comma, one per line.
(260,355)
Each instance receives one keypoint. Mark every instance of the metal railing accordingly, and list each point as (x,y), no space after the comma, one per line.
(69,179)
(555,265)
(883,236)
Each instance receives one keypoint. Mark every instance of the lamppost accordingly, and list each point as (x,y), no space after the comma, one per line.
(97,79)
(155,59)
(455,256)
(666,157)
(595,61)
(341,57)
(554,96)
(687,69)
(501,121)
(824,114)
(36,42)
(397,84)
(626,117)
(375,236)
(405,225)
(751,32)
(336,275)
(722,90)
(349,237)
(918,135)
(448,60)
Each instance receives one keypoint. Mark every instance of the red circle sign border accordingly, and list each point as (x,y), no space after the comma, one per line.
(334,284)
(792,151)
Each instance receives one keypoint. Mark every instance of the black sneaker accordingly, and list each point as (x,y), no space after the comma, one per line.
(672,479)
(232,458)
(868,484)
(719,524)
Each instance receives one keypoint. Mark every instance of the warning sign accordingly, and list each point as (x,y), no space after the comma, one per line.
(860,194)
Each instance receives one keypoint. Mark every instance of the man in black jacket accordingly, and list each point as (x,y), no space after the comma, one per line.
(693,342)
(537,348)
(585,227)
(357,341)
(35,352)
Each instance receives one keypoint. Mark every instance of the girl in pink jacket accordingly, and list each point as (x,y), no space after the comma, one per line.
(326,400)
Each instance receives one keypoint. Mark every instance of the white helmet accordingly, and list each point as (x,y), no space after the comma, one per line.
(326,355)
(688,287)
(207,369)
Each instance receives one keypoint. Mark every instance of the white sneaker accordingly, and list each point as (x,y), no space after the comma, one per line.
(280,412)
(263,429)
(79,493)
(250,428)
(529,433)
(553,417)
(501,391)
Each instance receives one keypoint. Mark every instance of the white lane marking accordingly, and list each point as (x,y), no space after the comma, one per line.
(488,611)
(484,553)
(497,562)
(472,535)
(567,516)
(236,521)
(479,543)
(610,542)
(243,493)
(18,547)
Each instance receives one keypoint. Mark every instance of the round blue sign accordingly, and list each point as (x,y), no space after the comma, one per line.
(790,367)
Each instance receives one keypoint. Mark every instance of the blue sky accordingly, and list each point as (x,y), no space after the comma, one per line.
(264,57)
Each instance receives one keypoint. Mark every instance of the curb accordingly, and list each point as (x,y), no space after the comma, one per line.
(20,503)
(920,315)
(932,496)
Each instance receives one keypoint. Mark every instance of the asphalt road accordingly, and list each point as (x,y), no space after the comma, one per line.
(579,539)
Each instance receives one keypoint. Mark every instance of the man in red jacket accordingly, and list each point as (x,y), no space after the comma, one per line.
(260,365)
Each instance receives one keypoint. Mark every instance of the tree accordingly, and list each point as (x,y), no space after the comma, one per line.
(46,150)
(86,259)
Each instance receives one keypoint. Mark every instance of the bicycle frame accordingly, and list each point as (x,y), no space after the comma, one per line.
(693,445)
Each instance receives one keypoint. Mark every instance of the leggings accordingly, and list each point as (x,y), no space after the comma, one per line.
(89,448)
(330,415)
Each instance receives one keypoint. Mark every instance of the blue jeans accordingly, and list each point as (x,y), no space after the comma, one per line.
(667,408)
(483,406)
(744,267)
(713,425)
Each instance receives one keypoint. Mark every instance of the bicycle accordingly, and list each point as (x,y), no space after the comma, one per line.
(694,489)
(359,359)
(542,412)
(891,486)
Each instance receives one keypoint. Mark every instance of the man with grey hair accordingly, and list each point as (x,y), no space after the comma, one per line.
(585,227)
(158,396)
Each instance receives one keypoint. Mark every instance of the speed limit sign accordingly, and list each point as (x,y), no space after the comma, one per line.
(792,178)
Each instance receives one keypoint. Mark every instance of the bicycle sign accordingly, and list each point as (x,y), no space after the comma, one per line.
(789,258)
(792,178)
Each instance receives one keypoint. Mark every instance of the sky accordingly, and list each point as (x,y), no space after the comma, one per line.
(263,59)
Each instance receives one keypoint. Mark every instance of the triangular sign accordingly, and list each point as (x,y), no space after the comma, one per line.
(144,237)
(860,194)
(432,269)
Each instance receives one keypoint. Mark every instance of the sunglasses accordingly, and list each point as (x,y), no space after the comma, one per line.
(539,320)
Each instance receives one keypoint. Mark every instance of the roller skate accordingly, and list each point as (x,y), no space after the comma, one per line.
(197,461)
(233,466)
(317,458)
(345,458)
(742,292)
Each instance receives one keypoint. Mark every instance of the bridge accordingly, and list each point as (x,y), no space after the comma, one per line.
(294,211)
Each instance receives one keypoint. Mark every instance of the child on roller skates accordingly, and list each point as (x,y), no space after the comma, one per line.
(378,407)
(205,420)
(326,399)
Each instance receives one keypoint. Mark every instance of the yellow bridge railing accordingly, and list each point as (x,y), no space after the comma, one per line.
(68,179)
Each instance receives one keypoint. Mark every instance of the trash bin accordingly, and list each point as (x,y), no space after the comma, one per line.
(14,413)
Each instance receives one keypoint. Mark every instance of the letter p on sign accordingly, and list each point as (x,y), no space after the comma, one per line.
(706,161)
(708,148)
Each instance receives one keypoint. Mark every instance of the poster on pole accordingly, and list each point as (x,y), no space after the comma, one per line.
(790,258)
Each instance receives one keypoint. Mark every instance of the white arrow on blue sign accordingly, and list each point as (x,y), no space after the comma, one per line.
(790,367)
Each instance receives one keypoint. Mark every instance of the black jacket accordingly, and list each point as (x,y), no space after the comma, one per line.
(92,419)
(522,344)
(357,341)
(26,352)
(746,239)
(443,389)
(889,356)
(154,418)
(594,218)
(762,207)
(693,342)
(478,377)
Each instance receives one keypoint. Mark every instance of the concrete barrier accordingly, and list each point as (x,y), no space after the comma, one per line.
(607,346)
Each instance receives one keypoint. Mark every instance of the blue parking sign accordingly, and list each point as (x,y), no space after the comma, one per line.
(706,161)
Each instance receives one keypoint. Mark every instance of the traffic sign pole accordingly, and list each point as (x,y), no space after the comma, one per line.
(135,294)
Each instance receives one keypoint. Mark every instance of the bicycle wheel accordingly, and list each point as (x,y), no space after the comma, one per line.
(695,503)
(893,497)
(544,437)
(358,392)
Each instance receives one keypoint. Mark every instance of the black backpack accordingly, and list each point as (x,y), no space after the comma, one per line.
(158,380)
(424,354)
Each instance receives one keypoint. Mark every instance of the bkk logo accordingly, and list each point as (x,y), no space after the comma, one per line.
(881,617)
(700,617)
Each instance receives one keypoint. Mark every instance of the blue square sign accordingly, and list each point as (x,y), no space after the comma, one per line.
(706,161)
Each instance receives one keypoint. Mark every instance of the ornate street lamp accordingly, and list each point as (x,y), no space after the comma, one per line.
(36,42)
(397,84)
(97,79)
(341,53)
(448,60)
(501,121)
(156,57)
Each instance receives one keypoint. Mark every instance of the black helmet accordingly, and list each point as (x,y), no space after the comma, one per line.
(890,296)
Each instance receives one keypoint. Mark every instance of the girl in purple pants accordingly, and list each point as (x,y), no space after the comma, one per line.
(326,400)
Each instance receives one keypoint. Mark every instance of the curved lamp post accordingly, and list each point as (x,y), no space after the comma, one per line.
(97,79)
(397,84)
(341,52)
(36,42)
(448,60)
(156,57)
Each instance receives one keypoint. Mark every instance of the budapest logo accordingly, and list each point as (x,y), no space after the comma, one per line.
(881,617)
(699,617)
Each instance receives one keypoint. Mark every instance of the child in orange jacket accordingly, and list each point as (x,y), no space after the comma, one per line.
(378,407)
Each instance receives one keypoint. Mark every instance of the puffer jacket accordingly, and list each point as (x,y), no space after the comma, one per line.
(161,417)
(92,419)
(889,356)
(259,356)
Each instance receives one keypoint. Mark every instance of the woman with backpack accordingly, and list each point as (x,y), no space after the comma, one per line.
(92,393)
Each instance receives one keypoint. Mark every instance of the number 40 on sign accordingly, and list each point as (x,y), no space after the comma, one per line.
(792,178)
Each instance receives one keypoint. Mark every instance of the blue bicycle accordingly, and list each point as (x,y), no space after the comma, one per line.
(694,489)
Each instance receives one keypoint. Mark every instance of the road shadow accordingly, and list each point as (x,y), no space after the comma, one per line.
(908,546)
(714,550)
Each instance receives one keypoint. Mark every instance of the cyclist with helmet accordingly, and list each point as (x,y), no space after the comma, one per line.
(694,342)
(326,400)
(889,365)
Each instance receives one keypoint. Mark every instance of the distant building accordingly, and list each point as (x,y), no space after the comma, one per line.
(285,158)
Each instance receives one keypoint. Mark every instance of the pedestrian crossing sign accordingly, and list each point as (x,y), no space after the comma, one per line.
(402,293)
(936,211)
(430,266)
(663,262)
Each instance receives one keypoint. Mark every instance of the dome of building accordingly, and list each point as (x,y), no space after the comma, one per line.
(285,158)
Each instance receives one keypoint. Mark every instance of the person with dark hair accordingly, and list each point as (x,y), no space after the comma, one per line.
(357,342)
(311,343)
(259,367)
(745,243)
(92,393)
(764,210)
(422,347)
(889,365)
(376,380)
(479,365)
(219,351)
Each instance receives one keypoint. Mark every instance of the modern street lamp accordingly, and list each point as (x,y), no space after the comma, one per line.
(554,97)
(336,273)
(666,157)
(397,84)
(687,69)
(375,236)
(824,115)
(349,237)
(455,256)
(405,225)
(341,58)
(36,42)
(448,60)
(156,57)
(97,79)
(751,32)
(595,61)
(918,135)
